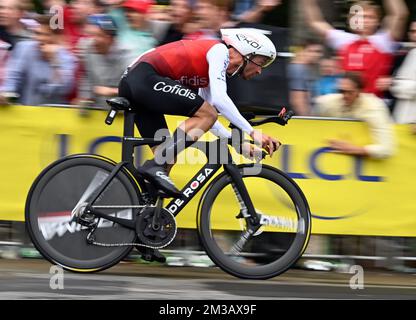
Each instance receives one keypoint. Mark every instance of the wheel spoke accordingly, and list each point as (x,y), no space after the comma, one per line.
(239,245)
(264,250)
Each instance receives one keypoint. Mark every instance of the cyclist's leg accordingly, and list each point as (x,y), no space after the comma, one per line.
(197,125)
(152,96)
(194,127)
(200,122)
(147,123)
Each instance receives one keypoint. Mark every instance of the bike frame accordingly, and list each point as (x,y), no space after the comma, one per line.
(200,179)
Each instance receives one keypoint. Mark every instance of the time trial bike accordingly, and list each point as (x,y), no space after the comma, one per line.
(86,212)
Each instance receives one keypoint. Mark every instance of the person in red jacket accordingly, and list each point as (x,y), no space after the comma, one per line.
(369,48)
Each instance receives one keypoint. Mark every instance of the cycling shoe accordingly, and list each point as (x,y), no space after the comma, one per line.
(150,255)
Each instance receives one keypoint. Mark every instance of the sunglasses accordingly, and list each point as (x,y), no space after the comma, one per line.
(264,65)
(342,91)
(258,65)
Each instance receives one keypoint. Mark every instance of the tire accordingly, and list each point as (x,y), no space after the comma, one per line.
(273,249)
(56,192)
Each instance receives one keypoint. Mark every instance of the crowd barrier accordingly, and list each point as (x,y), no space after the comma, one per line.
(347,195)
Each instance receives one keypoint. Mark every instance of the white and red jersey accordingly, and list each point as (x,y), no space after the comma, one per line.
(184,61)
(372,56)
(200,65)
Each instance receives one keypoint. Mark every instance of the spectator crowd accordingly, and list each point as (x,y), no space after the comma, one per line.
(365,72)
(75,52)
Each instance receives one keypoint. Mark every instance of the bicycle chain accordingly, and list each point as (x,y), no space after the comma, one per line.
(100,244)
(108,245)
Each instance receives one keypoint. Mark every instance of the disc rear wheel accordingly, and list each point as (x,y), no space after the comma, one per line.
(61,190)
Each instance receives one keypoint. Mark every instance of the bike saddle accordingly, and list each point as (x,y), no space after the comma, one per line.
(119,103)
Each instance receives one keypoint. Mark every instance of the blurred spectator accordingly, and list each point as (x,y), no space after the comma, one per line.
(404,89)
(406,47)
(368,50)
(210,17)
(133,29)
(253,11)
(12,29)
(159,20)
(103,59)
(4,54)
(400,55)
(242,6)
(76,16)
(159,12)
(181,13)
(50,7)
(302,78)
(412,34)
(351,102)
(48,4)
(329,75)
(40,71)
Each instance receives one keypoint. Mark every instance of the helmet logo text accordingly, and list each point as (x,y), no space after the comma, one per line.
(251,42)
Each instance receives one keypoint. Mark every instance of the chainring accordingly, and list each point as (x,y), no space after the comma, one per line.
(161,237)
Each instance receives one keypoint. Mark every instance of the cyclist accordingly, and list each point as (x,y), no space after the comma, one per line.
(165,80)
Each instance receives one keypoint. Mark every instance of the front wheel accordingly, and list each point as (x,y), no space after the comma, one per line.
(66,185)
(229,237)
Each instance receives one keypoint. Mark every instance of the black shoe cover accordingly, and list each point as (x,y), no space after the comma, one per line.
(158,176)
(151,254)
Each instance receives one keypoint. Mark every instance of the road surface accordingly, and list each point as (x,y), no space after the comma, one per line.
(33,279)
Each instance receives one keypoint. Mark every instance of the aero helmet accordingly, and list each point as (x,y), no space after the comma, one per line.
(250,42)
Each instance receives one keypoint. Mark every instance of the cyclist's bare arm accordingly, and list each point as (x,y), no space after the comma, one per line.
(216,95)
(314,18)
(396,18)
(216,92)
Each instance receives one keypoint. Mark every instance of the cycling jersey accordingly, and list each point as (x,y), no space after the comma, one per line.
(198,64)
(183,61)
(372,56)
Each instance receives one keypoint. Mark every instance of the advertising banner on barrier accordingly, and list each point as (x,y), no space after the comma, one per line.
(347,195)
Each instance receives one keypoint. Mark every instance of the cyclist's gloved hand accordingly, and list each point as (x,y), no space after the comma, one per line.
(266,142)
(251,151)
